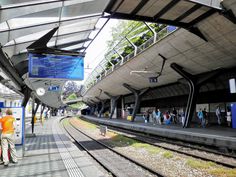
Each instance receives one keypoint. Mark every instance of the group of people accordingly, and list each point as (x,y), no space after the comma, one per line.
(177,116)
(203,116)
(7,128)
(159,117)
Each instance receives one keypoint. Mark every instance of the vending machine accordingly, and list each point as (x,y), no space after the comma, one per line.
(18,114)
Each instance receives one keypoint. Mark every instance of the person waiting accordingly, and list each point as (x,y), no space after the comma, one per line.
(7,137)
(158,116)
(174,116)
(201,118)
(154,119)
(167,118)
(228,117)
(218,115)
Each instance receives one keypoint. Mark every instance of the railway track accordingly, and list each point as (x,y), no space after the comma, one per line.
(114,162)
(182,148)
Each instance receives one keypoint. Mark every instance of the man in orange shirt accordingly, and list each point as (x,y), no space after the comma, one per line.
(8,137)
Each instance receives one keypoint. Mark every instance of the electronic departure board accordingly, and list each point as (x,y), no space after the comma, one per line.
(51,66)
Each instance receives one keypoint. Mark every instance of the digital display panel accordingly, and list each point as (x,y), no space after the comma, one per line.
(56,66)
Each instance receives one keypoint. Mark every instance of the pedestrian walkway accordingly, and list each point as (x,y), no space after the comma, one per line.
(51,154)
(213,136)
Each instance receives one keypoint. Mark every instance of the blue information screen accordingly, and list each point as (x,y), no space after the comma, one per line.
(56,66)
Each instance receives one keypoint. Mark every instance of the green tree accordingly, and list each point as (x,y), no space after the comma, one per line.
(72,97)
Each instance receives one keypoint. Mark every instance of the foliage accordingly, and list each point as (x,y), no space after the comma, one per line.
(211,168)
(71,97)
(167,154)
(71,87)
(199,164)
(127,50)
(77,105)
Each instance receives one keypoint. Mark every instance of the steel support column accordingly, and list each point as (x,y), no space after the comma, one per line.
(138,96)
(113,103)
(42,109)
(96,109)
(102,108)
(91,106)
(228,12)
(27,93)
(34,111)
(194,82)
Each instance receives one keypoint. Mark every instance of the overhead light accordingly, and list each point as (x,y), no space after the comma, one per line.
(40,91)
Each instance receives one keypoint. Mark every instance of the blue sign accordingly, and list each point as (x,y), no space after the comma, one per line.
(56,66)
(54,88)
(1,104)
(171,28)
(233,112)
(153,79)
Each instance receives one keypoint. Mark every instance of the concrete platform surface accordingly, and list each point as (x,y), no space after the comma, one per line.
(51,154)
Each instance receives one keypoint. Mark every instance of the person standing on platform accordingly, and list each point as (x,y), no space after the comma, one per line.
(7,137)
(146,116)
(158,116)
(200,116)
(218,114)
(228,116)
(205,119)
(154,117)
(174,114)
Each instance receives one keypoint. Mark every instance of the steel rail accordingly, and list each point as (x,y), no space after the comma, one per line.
(116,152)
(175,143)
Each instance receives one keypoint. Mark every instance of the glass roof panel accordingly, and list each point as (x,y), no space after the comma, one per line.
(12,3)
(30,37)
(24,11)
(70,38)
(83,9)
(3,26)
(73,47)
(80,26)
(21,22)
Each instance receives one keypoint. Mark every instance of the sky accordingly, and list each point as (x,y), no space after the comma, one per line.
(95,52)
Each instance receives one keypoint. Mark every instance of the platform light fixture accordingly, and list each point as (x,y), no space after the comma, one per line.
(232,85)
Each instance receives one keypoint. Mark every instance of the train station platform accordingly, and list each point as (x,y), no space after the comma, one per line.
(221,137)
(51,153)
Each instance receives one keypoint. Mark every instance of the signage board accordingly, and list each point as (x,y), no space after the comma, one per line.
(153,79)
(51,66)
(54,88)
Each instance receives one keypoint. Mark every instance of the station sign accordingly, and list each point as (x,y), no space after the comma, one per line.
(153,79)
(54,88)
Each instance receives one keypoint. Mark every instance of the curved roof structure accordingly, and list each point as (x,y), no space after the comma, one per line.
(23,22)
(211,48)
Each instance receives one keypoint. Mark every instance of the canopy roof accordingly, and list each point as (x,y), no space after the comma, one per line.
(23,22)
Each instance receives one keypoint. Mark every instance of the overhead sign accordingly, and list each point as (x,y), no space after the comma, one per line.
(51,66)
(153,79)
(54,88)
